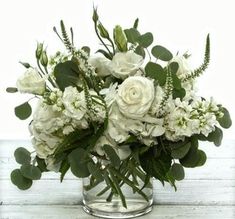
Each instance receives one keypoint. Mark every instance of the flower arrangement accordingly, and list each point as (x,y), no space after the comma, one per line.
(116,117)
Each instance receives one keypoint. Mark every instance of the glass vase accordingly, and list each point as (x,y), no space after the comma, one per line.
(101,202)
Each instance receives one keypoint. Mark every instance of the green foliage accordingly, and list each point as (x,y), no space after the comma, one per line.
(30,172)
(180,151)
(41,164)
(95,171)
(78,160)
(66,74)
(19,180)
(225,121)
(216,136)
(11,90)
(177,171)
(103,31)
(140,51)
(22,156)
(132,35)
(120,38)
(145,40)
(157,167)
(156,72)
(25,64)
(136,23)
(179,93)
(65,37)
(112,155)
(197,72)
(106,54)
(161,53)
(23,111)
(194,157)
(64,168)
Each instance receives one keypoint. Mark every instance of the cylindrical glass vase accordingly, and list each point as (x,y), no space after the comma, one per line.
(109,205)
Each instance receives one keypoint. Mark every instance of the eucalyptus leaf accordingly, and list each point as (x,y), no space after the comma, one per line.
(132,35)
(216,136)
(78,160)
(161,53)
(225,121)
(179,93)
(140,51)
(95,171)
(11,90)
(66,74)
(180,152)
(177,171)
(30,172)
(22,156)
(145,40)
(23,111)
(19,180)
(202,159)
(155,72)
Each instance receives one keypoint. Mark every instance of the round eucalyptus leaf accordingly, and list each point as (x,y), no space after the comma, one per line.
(156,72)
(161,53)
(177,171)
(180,152)
(146,39)
(225,121)
(22,156)
(202,159)
(19,180)
(30,172)
(23,111)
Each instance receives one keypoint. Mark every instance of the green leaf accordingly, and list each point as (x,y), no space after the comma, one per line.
(63,169)
(180,152)
(177,171)
(202,159)
(132,35)
(25,64)
(111,153)
(136,23)
(145,40)
(179,93)
(22,156)
(140,51)
(120,38)
(225,121)
(103,52)
(30,172)
(95,171)
(174,66)
(23,111)
(66,74)
(156,72)
(78,160)
(161,53)
(41,164)
(20,181)
(216,136)
(11,90)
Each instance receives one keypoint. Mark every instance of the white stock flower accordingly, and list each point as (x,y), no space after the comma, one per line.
(135,96)
(74,103)
(31,82)
(125,64)
(184,68)
(101,64)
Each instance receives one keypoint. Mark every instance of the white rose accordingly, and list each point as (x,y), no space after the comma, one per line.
(101,64)
(135,96)
(74,103)
(184,68)
(31,82)
(126,64)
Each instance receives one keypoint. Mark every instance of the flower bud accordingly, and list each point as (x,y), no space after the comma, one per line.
(44,59)
(103,32)
(95,16)
(39,50)
(120,38)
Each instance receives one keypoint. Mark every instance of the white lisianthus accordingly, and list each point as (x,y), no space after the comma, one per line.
(101,64)
(184,68)
(125,64)
(74,103)
(31,82)
(135,96)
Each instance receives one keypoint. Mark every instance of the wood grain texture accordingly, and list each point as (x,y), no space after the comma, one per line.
(207,192)
(76,212)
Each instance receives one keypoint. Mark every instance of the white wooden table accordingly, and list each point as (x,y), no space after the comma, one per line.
(207,192)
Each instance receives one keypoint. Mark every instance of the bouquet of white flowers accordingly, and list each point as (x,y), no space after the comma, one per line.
(123,116)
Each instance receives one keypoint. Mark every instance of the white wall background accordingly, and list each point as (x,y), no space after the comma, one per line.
(179,25)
